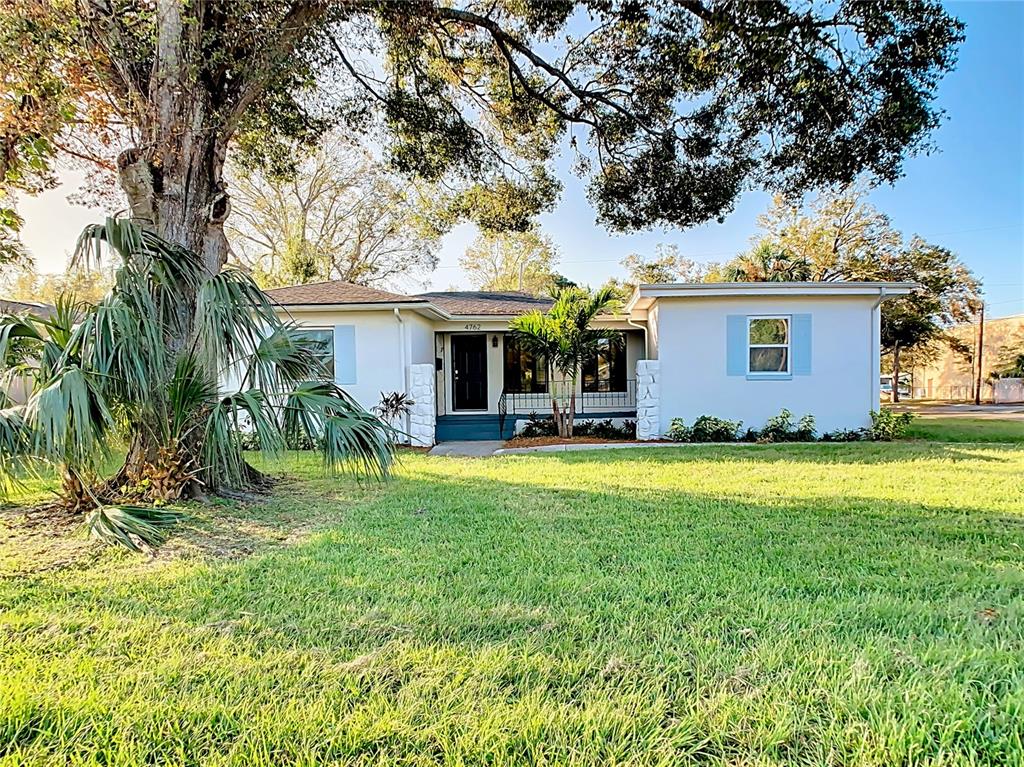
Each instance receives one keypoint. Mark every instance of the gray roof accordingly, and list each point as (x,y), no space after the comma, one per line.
(31,307)
(486,302)
(334,292)
(455,302)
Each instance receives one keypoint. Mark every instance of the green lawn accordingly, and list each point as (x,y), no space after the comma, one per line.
(858,604)
(963,429)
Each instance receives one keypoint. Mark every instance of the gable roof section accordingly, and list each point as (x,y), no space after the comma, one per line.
(336,292)
(478,302)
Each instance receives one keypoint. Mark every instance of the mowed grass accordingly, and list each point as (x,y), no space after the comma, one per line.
(854,604)
(964,429)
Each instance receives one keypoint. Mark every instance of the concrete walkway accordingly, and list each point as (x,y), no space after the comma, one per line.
(472,449)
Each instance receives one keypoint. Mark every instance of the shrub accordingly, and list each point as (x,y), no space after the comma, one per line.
(707,428)
(887,425)
(780,428)
(605,429)
(537,426)
(678,431)
(846,435)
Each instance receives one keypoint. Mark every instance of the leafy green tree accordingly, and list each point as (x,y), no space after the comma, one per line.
(666,265)
(948,294)
(563,338)
(95,366)
(1010,363)
(837,232)
(522,261)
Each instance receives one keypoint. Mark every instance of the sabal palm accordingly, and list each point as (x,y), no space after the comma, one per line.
(97,371)
(563,338)
(768,264)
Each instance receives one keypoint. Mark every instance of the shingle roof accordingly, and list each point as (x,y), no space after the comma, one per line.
(486,302)
(17,307)
(459,302)
(335,292)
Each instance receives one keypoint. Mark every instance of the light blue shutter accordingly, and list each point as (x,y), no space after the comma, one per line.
(345,354)
(736,345)
(801,344)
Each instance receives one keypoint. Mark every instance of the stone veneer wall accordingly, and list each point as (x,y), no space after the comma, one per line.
(423,415)
(648,399)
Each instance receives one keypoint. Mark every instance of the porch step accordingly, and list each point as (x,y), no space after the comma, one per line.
(452,428)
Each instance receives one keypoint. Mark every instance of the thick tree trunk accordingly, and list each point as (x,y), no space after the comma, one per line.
(174,184)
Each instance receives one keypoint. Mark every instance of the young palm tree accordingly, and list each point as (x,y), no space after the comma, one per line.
(563,338)
(107,371)
(766,263)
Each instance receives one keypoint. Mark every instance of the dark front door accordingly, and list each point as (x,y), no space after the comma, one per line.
(469,372)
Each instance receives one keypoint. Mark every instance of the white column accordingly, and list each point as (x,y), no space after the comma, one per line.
(423,413)
(648,399)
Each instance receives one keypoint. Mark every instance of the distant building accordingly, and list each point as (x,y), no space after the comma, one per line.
(951,377)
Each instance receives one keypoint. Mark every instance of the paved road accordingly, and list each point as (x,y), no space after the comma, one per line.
(1012,412)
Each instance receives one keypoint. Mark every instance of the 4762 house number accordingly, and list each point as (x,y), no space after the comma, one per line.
(472,326)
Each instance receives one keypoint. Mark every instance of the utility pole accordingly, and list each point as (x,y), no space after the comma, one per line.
(979,355)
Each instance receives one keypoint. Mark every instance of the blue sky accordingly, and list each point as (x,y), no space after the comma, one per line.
(968,196)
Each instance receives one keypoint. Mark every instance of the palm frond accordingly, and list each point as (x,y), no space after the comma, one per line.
(283,358)
(131,526)
(232,317)
(171,266)
(19,337)
(192,390)
(15,447)
(68,418)
(123,347)
(349,437)
(222,443)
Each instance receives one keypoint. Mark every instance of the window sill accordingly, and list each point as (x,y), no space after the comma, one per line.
(769,376)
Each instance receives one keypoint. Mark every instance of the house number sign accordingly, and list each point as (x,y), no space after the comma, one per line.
(472,326)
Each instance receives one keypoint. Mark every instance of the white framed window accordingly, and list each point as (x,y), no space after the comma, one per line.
(768,344)
(323,346)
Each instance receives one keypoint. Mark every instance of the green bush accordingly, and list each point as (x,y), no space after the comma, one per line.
(707,428)
(678,431)
(780,428)
(846,435)
(887,425)
(537,426)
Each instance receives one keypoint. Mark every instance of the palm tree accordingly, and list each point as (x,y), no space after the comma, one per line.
(104,372)
(563,338)
(767,263)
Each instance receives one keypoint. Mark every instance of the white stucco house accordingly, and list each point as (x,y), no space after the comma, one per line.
(741,351)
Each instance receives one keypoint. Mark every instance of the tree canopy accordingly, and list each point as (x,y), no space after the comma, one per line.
(522,261)
(671,110)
